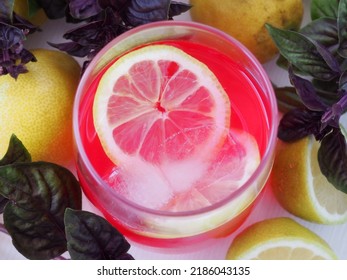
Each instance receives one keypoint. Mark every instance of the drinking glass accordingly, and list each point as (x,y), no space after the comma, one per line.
(252,101)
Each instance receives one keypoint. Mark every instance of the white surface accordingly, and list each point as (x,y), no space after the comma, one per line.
(267,206)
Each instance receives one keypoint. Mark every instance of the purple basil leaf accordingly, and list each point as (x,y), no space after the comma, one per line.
(106,19)
(91,237)
(10,36)
(143,11)
(83,9)
(116,5)
(305,54)
(343,83)
(323,31)
(324,8)
(177,8)
(6,10)
(329,58)
(72,48)
(287,99)
(332,158)
(24,24)
(13,56)
(97,33)
(91,37)
(54,9)
(90,33)
(27,56)
(332,116)
(342,28)
(307,92)
(299,123)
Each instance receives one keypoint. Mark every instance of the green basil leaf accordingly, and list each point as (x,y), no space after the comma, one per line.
(323,31)
(307,92)
(324,8)
(6,10)
(282,62)
(332,158)
(3,202)
(91,237)
(54,9)
(309,57)
(342,28)
(39,193)
(327,90)
(16,152)
(287,99)
(33,7)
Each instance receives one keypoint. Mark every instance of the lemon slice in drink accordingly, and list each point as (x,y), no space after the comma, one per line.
(301,188)
(279,239)
(228,170)
(158,104)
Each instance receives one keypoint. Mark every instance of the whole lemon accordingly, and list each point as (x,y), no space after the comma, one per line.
(37,107)
(245,20)
(21,7)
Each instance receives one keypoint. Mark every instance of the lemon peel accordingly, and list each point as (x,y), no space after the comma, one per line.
(245,20)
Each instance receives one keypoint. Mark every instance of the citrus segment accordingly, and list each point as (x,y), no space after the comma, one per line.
(300,186)
(159,103)
(279,239)
(228,170)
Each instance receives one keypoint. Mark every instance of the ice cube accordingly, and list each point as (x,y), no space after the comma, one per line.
(182,174)
(142,183)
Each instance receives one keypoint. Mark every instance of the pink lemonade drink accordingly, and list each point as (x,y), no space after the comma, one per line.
(175,126)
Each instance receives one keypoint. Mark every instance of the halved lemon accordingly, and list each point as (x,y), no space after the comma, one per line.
(158,104)
(300,186)
(279,239)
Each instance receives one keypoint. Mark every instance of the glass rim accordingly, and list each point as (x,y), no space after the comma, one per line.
(267,155)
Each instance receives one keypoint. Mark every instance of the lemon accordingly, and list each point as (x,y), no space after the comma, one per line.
(279,239)
(37,107)
(21,7)
(301,188)
(144,101)
(245,20)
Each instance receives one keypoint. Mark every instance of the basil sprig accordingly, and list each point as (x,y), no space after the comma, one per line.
(316,60)
(99,21)
(41,206)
